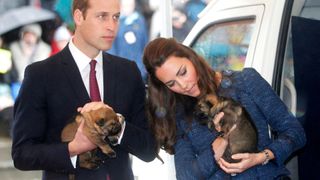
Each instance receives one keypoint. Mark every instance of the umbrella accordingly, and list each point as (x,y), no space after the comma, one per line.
(17,17)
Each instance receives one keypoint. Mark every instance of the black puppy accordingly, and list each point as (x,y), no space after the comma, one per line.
(235,126)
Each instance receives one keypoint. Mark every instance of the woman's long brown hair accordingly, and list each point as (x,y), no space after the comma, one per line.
(161,101)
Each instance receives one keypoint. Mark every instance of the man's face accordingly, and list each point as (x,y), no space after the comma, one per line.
(97,29)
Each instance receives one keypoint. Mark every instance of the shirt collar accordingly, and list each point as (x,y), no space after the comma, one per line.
(81,59)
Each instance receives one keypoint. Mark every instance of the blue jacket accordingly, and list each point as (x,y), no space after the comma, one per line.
(194,158)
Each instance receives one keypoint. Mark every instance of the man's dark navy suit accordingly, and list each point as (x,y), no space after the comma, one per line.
(52,91)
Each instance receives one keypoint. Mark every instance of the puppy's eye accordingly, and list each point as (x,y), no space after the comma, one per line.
(221,122)
(220,134)
(100,122)
(209,104)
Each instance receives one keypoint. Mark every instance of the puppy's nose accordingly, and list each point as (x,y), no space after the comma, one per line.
(115,128)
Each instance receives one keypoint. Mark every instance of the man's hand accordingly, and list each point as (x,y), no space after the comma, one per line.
(80,143)
(92,106)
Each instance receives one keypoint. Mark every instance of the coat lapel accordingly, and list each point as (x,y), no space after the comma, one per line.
(73,76)
(109,78)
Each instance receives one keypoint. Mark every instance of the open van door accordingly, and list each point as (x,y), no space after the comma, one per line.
(306,60)
(233,34)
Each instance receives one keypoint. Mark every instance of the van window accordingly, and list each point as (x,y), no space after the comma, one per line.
(225,45)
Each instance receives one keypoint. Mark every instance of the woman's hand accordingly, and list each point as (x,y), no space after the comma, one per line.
(247,160)
(216,121)
(219,145)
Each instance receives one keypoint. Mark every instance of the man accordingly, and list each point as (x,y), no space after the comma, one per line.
(55,88)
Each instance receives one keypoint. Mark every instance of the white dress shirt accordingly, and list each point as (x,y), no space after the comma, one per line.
(83,63)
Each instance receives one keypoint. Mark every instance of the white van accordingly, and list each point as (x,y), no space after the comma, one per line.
(233,34)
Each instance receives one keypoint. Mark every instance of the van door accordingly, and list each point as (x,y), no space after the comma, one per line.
(306,71)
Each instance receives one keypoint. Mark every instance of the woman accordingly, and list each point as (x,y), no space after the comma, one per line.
(178,77)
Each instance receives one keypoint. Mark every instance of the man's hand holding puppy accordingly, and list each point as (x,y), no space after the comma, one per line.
(81,143)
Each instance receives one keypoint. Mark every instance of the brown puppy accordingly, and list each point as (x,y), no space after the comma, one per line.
(235,126)
(98,124)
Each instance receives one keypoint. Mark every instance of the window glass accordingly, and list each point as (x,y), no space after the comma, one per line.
(288,91)
(225,45)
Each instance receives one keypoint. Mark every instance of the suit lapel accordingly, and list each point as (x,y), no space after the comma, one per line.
(73,76)
(109,78)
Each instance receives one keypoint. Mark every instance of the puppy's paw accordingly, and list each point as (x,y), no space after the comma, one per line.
(112,154)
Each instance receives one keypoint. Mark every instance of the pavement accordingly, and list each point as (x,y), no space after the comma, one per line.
(142,171)
(7,170)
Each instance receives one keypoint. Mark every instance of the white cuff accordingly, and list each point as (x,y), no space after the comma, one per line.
(74,161)
(122,131)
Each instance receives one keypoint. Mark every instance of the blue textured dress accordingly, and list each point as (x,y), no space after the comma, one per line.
(194,158)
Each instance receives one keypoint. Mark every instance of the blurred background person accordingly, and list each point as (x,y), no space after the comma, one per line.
(26,50)
(143,6)
(5,77)
(181,25)
(63,9)
(194,7)
(6,99)
(132,35)
(29,48)
(60,39)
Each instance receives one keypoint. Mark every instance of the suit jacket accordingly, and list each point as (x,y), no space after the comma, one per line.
(50,94)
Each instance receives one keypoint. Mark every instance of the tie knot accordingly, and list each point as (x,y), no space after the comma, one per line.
(93,64)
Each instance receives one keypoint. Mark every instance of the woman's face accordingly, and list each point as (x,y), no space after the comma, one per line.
(179,75)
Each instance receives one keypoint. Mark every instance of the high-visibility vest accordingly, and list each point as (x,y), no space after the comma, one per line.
(5,61)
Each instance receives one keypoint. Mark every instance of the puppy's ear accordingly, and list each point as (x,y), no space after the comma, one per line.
(78,118)
(212,98)
(238,110)
(86,116)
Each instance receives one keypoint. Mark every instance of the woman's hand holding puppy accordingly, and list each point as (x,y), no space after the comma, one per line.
(248,160)
(219,145)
